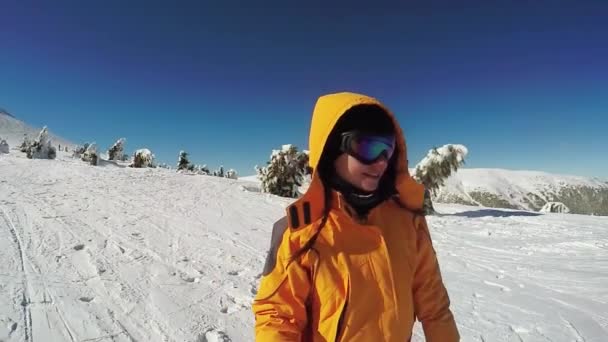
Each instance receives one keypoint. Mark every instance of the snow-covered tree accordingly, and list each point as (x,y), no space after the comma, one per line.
(436,167)
(41,147)
(555,207)
(427,204)
(78,151)
(232,174)
(116,152)
(285,172)
(202,170)
(4,148)
(25,144)
(90,155)
(143,158)
(220,171)
(182,161)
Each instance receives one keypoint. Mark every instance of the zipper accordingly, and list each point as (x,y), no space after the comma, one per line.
(341,321)
(339,331)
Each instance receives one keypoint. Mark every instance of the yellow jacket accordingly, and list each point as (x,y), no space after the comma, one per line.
(362,281)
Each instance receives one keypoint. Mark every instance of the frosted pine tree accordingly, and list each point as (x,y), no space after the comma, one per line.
(182,161)
(116,152)
(204,170)
(436,167)
(143,158)
(555,207)
(200,170)
(78,151)
(4,148)
(285,172)
(41,147)
(220,171)
(90,155)
(25,144)
(232,174)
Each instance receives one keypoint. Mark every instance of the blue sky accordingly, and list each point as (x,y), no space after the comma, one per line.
(524,85)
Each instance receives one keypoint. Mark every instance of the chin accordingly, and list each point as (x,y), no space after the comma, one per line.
(369,187)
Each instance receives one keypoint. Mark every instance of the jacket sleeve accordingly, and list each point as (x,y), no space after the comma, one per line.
(431,301)
(280,303)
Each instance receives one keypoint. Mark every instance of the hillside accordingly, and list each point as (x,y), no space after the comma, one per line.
(527,190)
(14,130)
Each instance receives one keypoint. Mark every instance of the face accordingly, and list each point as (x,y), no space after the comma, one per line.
(364,177)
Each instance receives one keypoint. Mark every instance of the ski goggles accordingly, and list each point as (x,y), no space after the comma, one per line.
(367,148)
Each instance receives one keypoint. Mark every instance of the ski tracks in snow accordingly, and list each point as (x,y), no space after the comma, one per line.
(126,267)
(26,317)
(42,319)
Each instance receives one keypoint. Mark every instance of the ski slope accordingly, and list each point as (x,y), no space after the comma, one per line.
(118,254)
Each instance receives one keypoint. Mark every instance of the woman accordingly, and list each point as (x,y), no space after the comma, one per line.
(353,258)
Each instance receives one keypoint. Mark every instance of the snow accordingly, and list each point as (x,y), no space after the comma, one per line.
(123,254)
(250,178)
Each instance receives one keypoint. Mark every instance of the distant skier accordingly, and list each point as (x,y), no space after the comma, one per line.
(353,259)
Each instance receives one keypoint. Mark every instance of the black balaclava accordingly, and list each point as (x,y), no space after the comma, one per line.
(367,119)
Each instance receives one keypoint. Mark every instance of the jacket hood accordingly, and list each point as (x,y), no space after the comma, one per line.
(327,111)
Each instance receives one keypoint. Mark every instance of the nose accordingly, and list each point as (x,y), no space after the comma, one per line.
(380,164)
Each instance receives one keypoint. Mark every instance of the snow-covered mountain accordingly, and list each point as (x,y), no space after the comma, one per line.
(95,253)
(14,130)
(523,190)
(528,190)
